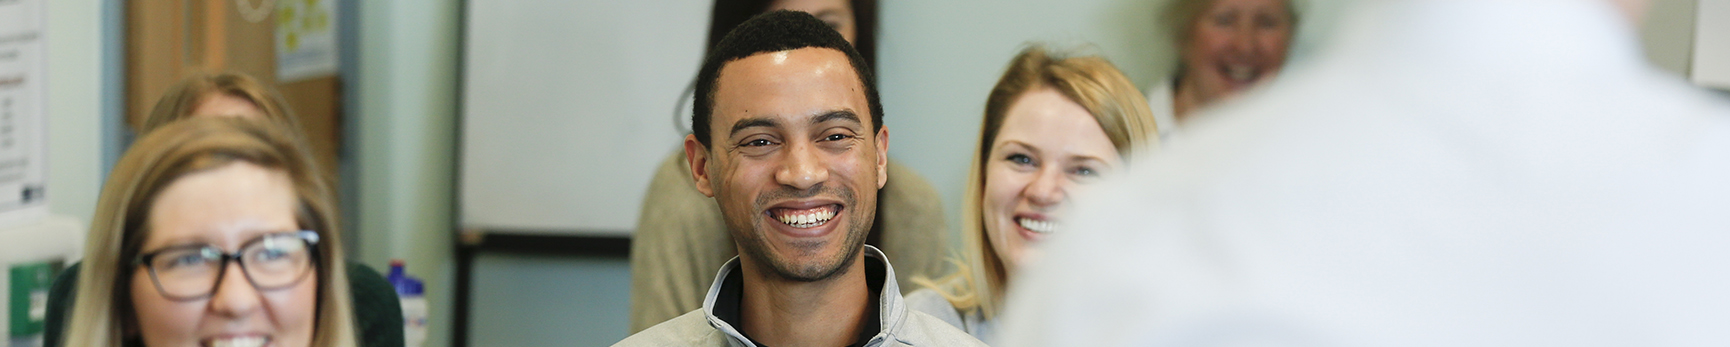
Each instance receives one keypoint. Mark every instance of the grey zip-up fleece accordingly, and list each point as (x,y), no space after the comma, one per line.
(899,325)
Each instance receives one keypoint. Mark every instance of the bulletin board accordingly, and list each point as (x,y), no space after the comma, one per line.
(23,112)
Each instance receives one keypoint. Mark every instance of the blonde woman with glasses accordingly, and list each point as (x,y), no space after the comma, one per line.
(214,232)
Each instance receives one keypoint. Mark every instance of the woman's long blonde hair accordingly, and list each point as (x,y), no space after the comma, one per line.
(1090,81)
(103,314)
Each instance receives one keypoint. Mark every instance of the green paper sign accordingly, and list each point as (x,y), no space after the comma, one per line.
(29,297)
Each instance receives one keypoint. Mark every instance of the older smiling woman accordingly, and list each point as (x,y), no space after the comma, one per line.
(1224,47)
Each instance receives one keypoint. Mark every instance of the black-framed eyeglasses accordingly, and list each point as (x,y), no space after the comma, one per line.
(271,261)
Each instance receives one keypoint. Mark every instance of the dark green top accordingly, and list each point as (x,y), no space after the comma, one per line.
(377,311)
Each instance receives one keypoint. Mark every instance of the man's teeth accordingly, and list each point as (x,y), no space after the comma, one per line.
(1038,226)
(807,219)
(250,341)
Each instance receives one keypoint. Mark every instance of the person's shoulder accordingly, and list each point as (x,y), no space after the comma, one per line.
(690,329)
(930,302)
(921,329)
(910,205)
(907,195)
(673,202)
(672,175)
(925,296)
(904,181)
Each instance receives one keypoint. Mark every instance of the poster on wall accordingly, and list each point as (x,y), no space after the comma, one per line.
(23,112)
(306,43)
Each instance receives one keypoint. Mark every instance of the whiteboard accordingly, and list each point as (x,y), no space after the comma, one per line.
(567,109)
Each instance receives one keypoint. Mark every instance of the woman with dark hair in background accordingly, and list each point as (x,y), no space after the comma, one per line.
(855,20)
(681,240)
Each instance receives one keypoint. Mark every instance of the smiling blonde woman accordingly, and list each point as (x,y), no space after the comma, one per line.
(1052,123)
(214,231)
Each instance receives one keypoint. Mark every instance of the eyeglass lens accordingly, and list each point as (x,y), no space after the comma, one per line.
(272,262)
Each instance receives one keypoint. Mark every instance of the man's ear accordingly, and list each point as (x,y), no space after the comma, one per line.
(697,156)
(882,156)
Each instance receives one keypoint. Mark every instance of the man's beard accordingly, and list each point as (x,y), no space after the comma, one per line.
(751,241)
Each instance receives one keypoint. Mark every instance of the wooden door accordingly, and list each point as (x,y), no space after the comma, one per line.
(168,40)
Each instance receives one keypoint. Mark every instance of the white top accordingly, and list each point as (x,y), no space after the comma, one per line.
(1450,173)
(973,322)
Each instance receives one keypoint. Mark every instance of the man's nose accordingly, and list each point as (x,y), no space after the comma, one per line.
(1048,188)
(804,167)
(234,296)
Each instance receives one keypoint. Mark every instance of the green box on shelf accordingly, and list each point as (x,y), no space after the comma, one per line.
(28,297)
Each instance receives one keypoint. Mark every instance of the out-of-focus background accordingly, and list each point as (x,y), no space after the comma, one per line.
(500,148)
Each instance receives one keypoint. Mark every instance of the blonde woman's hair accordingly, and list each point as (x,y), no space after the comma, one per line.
(1090,81)
(103,314)
(184,97)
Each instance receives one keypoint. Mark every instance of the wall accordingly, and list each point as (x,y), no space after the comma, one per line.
(75,99)
(404,126)
(547,300)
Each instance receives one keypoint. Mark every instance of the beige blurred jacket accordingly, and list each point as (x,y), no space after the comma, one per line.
(681,240)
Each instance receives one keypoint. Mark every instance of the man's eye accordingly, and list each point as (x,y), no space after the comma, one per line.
(757,143)
(837,137)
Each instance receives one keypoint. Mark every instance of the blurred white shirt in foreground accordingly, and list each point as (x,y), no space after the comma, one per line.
(1449,172)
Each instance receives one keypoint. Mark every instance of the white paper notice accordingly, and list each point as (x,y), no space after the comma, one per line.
(306,45)
(23,111)
(1712,44)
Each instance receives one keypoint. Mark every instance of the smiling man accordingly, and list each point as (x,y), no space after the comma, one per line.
(788,138)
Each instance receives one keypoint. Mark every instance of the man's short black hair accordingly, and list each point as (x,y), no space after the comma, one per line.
(774,32)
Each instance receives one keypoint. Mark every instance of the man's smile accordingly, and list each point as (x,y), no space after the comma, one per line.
(807,218)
